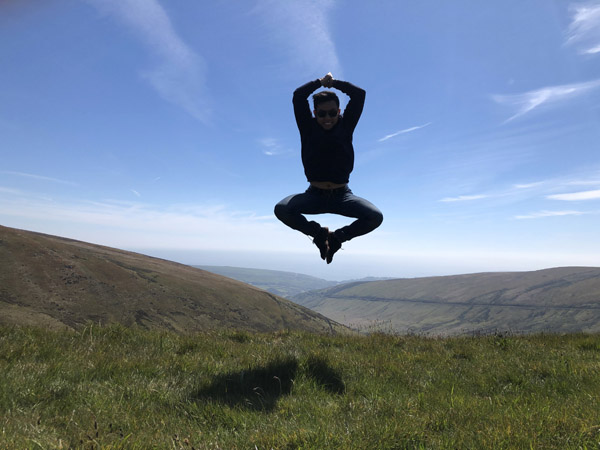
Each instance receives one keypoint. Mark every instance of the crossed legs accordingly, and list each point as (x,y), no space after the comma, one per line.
(291,212)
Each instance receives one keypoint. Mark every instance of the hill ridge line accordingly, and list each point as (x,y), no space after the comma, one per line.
(440,302)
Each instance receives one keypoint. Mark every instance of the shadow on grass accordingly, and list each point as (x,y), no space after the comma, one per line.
(324,375)
(255,388)
(260,388)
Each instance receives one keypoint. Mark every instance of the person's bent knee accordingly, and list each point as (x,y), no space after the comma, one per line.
(280,211)
(283,211)
(379,218)
(376,219)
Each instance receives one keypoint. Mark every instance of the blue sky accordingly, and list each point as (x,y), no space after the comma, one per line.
(167,128)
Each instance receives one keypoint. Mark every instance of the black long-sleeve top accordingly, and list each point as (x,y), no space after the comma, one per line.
(328,155)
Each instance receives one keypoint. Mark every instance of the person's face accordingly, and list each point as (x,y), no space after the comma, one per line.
(327,114)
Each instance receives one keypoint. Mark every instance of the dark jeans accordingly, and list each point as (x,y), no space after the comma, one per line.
(340,201)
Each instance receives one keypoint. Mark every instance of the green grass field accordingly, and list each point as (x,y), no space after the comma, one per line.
(119,388)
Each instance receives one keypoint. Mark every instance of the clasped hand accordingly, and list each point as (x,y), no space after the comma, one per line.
(327,81)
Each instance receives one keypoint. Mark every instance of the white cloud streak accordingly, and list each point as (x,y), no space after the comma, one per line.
(272,147)
(143,225)
(37,177)
(463,198)
(545,214)
(576,196)
(301,30)
(541,191)
(584,29)
(180,77)
(407,130)
(593,50)
(528,101)
(590,182)
(528,185)
(10,191)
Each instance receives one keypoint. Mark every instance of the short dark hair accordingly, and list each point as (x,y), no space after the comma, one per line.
(325,96)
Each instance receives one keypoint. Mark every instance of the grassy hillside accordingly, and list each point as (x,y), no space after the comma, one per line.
(56,282)
(561,300)
(128,388)
(285,284)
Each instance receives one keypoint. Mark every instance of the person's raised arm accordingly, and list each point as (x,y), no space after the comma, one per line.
(355,105)
(300,100)
(302,109)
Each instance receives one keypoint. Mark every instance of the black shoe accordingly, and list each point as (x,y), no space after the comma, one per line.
(320,241)
(334,245)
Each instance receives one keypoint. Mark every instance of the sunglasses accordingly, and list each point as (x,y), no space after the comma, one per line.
(330,113)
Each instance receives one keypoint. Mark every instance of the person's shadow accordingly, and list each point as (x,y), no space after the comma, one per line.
(259,388)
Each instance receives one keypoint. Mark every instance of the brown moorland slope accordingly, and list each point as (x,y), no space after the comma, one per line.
(57,282)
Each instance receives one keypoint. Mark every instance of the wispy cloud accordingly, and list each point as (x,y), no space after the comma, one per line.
(558,188)
(272,147)
(137,224)
(584,29)
(576,196)
(463,198)
(180,77)
(589,176)
(528,185)
(301,31)
(407,130)
(528,101)
(584,182)
(37,177)
(10,191)
(544,214)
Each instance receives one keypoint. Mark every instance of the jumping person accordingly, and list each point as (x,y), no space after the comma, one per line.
(328,159)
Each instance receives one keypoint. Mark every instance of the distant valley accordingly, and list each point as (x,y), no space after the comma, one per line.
(285,284)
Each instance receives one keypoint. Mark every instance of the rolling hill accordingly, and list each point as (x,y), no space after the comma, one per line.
(563,299)
(57,282)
